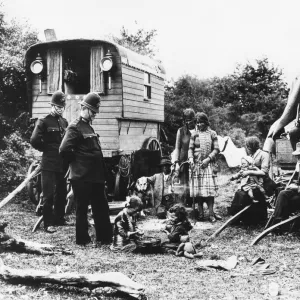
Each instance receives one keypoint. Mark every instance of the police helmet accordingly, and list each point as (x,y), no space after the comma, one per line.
(58,99)
(91,101)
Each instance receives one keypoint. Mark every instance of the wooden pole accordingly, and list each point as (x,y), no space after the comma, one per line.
(10,243)
(193,188)
(265,232)
(230,221)
(20,187)
(115,280)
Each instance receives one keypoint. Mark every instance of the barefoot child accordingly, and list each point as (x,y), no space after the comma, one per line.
(178,225)
(177,230)
(125,230)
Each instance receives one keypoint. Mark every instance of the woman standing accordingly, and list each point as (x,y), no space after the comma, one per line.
(203,149)
(181,152)
(258,211)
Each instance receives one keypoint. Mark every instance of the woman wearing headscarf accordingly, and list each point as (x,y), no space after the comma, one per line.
(181,151)
(203,149)
(258,211)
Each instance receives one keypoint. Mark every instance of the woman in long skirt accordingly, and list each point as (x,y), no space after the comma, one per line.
(203,149)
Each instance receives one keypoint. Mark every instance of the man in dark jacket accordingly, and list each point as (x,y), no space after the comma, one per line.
(46,137)
(81,149)
(288,200)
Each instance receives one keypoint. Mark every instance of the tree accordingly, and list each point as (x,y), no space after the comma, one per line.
(141,41)
(187,91)
(244,103)
(260,87)
(17,38)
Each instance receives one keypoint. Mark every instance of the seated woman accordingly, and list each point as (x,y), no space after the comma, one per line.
(288,200)
(249,183)
(125,231)
(258,212)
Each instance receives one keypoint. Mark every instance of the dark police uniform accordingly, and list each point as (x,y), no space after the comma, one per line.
(46,137)
(81,149)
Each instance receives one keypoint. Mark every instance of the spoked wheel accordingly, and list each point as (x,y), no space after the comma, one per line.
(34,186)
(152,144)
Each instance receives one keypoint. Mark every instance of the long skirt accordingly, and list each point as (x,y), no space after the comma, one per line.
(205,182)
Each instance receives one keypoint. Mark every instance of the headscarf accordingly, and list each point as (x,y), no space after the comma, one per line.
(252,143)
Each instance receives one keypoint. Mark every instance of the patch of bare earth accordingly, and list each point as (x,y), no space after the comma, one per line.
(164,276)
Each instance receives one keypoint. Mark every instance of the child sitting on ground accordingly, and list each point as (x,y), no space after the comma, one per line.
(125,231)
(178,225)
(177,230)
(250,182)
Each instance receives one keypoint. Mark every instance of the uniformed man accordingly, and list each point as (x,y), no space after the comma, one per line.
(81,149)
(46,137)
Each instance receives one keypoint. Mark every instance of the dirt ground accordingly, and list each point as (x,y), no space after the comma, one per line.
(164,276)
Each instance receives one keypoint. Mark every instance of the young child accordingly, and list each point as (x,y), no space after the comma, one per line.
(162,188)
(177,230)
(178,225)
(125,231)
(250,182)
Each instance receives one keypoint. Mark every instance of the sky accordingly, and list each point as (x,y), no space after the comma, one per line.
(196,37)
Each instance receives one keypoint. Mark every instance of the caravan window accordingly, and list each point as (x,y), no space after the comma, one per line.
(147,86)
(76,70)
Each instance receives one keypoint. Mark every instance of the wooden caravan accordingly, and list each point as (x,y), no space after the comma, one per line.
(132,91)
(131,87)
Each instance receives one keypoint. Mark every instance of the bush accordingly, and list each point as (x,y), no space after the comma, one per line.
(13,161)
(238,137)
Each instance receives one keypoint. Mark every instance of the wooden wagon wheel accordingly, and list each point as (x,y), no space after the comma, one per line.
(34,187)
(152,144)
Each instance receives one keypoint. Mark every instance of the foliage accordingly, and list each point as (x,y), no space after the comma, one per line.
(238,136)
(246,102)
(13,162)
(16,38)
(141,41)
(259,87)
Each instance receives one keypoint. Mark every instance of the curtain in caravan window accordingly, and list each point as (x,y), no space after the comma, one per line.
(97,79)
(54,67)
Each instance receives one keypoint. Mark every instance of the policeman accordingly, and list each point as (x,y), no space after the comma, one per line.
(81,149)
(46,137)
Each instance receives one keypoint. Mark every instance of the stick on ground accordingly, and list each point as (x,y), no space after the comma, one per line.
(10,243)
(230,221)
(20,187)
(265,232)
(115,280)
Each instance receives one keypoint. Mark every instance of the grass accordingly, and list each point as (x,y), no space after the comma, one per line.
(164,276)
